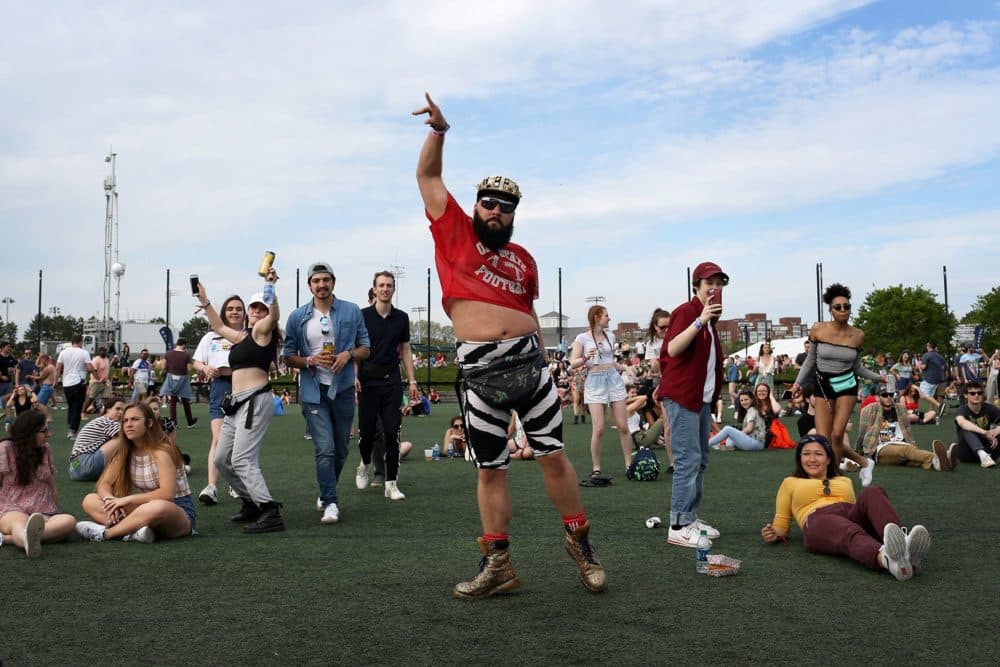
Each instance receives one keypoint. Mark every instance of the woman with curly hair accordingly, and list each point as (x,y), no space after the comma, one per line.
(832,367)
(147,462)
(29,503)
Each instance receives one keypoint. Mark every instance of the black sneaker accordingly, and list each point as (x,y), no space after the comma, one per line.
(193,423)
(249,512)
(270,520)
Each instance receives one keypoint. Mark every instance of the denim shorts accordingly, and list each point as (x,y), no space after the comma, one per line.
(186,504)
(220,387)
(86,467)
(45,394)
(604,388)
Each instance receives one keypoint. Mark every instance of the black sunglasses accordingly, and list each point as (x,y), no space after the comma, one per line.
(457,426)
(490,203)
(826,487)
(888,394)
(973,393)
(845,307)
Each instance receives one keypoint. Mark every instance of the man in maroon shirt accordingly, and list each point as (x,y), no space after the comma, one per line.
(177,383)
(690,383)
(488,285)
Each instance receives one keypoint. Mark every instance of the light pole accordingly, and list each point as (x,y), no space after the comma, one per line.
(7,301)
(419,311)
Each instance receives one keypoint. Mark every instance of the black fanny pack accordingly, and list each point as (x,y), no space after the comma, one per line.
(507,382)
(230,407)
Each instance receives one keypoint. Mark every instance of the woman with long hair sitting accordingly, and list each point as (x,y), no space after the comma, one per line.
(147,462)
(752,436)
(833,522)
(29,503)
(910,398)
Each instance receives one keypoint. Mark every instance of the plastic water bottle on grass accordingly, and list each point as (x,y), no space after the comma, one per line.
(702,553)
(437,452)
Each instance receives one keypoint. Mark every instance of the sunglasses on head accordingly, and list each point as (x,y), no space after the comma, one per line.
(490,203)
(841,307)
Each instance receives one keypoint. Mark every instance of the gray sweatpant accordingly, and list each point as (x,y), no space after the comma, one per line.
(238,453)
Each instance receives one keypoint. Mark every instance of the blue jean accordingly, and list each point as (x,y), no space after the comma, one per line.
(329,423)
(737,439)
(689,442)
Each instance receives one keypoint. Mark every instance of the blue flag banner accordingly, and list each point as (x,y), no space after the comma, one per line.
(980,330)
(168,337)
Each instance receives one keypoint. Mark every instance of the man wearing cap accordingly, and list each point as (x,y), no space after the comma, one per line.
(886,437)
(324,337)
(690,384)
(488,288)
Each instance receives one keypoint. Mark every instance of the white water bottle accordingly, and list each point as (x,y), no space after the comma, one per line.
(437,452)
(702,553)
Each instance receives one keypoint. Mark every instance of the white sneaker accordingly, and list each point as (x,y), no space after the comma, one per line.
(711,532)
(392,491)
(894,552)
(209,495)
(985,460)
(232,493)
(33,535)
(331,514)
(144,535)
(319,505)
(918,542)
(363,476)
(90,530)
(686,536)
(866,473)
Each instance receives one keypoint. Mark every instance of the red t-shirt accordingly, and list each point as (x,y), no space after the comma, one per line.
(682,378)
(469,270)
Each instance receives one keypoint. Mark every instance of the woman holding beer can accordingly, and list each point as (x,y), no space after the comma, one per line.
(249,408)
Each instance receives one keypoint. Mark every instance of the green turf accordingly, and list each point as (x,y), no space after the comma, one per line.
(375,588)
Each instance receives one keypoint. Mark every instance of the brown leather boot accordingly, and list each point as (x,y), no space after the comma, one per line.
(496,573)
(579,548)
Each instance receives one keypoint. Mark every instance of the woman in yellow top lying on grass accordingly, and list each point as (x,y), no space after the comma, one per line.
(832,522)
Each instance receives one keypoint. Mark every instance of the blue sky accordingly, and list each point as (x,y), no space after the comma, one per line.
(646,137)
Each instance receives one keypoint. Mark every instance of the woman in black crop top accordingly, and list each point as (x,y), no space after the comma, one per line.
(250,409)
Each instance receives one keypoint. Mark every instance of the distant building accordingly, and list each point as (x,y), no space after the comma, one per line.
(551,320)
(760,328)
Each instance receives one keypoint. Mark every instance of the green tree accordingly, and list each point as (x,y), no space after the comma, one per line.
(58,328)
(441,334)
(897,318)
(986,311)
(8,331)
(194,329)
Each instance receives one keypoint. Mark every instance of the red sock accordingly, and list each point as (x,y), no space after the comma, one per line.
(575,521)
(496,537)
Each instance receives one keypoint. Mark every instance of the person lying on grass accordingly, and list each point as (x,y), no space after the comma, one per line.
(822,501)
(148,462)
(29,503)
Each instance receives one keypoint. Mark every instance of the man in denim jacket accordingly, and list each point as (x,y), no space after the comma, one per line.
(324,338)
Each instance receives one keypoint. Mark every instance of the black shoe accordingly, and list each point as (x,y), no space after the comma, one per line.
(270,520)
(249,512)
(194,422)
(576,419)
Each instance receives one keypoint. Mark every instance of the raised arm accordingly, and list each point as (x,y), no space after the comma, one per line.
(809,365)
(263,328)
(218,326)
(430,163)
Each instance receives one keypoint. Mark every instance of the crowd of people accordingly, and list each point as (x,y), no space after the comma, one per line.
(665,391)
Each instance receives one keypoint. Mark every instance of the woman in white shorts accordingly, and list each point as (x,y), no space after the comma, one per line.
(595,350)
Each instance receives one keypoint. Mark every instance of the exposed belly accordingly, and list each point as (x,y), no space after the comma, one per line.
(478,321)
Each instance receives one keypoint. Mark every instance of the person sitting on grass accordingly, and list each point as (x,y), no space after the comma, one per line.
(29,502)
(96,443)
(454,436)
(978,428)
(148,462)
(886,437)
(752,437)
(832,522)
(517,439)
(911,398)
(643,433)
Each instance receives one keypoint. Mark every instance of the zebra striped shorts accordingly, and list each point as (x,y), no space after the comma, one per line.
(486,426)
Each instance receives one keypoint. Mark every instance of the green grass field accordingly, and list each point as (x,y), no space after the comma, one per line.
(376,588)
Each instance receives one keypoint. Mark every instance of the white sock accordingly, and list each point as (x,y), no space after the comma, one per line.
(936,463)
(983,455)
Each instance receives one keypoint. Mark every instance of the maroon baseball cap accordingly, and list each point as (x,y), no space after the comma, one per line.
(707,270)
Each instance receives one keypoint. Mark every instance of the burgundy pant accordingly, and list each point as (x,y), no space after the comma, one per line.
(851,530)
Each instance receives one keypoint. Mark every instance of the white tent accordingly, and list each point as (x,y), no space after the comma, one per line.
(789,346)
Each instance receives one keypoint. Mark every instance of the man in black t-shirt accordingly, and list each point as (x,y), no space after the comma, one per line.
(27,369)
(379,386)
(800,358)
(977,426)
